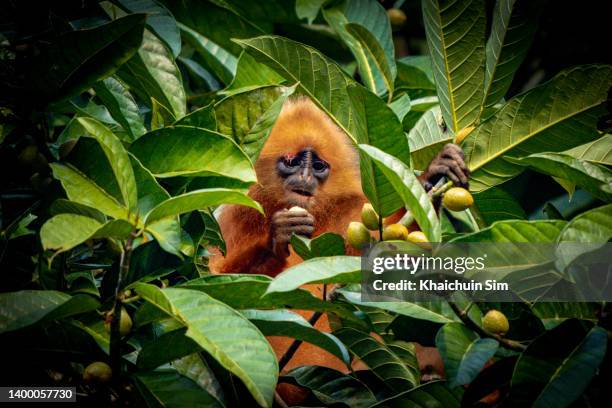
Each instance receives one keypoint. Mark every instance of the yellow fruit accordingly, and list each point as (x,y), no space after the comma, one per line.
(463,133)
(357,235)
(397,17)
(125,322)
(419,238)
(395,232)
(457,199)
(98,372)
(369,217)
(495,322)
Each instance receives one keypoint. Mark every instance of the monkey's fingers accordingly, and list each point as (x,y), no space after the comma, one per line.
(287,220)
(454,152)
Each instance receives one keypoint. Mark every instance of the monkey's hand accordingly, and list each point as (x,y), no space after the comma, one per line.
(448,163)
(284,223)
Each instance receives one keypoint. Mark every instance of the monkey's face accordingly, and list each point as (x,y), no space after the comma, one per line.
(303,174)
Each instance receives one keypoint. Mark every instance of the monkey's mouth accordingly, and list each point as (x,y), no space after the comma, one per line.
(301,192)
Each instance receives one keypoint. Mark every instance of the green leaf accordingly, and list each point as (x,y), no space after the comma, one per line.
(152,72)
(409,189)
(252,359)
(378,126)
(167,388)
(432,394)
(371,44)
(598,151)
(427,138)
(222,63)
(415,76)
(117,157)
(121,106)
(26,307)
(331,387)
(593,178)
(247,291)
(401,106)
(251,75)
(199,199)
(385,364)
(203,117)
(159,20)
(557,367)
(81,189)
(65,231)
(554,313)
(495,204)
(327,244)
(513,27)
(455,35)
(78,59)
(463,352)
(332,269)
(593,228)
(185,150)
(160,115)
(150,193)
(248,117)
(375,55)
(290,324)
(315,73)
(63,206)
(555,116)
(165,348)
(308,9)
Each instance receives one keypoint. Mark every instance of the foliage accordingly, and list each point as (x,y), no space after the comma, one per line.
(125,124)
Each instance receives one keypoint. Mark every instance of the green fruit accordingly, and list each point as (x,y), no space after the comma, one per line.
(395,232)
(397,17)
(419,238)
(97,372)
(457,199)
(369,217)
(357,235)
(125,322)
(496,322)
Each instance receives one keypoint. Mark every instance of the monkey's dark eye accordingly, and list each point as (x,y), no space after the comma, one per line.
(291,162)
(319,165)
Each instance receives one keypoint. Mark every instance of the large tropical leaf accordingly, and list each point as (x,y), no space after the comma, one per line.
(26,307)
(409,189)
(594,178)
(496,204)
(152,73)
(368,38)
(250,75)
(598,151)
(186,150)
(415,76)
(432,394)
(251,359)
(168,388)
(78,59)
(514,25)
(427,138)
(552,117)
(455,35)
(557,367)
(463,352)
(121,105)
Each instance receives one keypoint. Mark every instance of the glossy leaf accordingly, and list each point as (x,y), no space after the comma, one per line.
(464,354)
(401,106)
(186,150)
(308,9)
(557,367)
(415,76)
(409,189)
(81,189)
(117,157)
(78,59)
(121,106)
(555,116)
(372,46)
(496,204)
(199,199)
(594,178)
(327,244)
(427,138)
(598,151)
(385,364)
(455,35)
(152,72)
(290,324)
(513,27)
(203,117)
(167,388)
(252,359)
(26,307)
(251,75)
(434,393)
(332,269)
(248,117)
